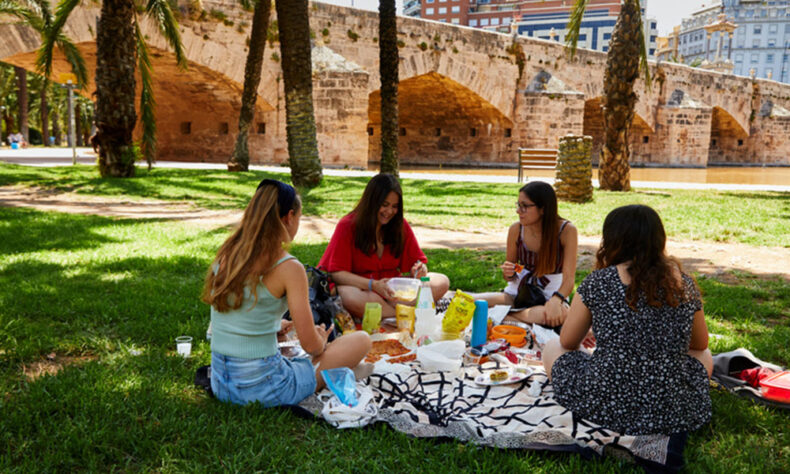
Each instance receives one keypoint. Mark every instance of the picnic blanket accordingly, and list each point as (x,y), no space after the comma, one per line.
(438,404)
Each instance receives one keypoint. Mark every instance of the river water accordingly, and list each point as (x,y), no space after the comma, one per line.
(777,176)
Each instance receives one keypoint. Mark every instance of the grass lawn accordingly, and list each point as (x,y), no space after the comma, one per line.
(113,294)
(757,218)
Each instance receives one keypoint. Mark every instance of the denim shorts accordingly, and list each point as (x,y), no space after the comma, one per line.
(272,381)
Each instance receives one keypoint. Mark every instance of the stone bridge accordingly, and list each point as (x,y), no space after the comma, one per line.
(465,97)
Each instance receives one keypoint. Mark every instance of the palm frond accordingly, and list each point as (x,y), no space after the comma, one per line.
(10,7)
(643,48)
(574,25)
(147,101)
(168,25)
(248,4)
(51,35)
(74,58)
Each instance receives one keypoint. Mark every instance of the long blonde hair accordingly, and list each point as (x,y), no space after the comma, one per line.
(251,250)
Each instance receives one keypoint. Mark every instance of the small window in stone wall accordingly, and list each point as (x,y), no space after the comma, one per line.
(223,128)
(713,142)
(645,139)
(740,142)
(370,131)
(402,132)
(438,132)
(508,132)
(472,132)
(186,128)
(261,128)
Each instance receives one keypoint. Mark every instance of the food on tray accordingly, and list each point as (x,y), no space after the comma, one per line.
(498,375)
(402,359)
(390,347)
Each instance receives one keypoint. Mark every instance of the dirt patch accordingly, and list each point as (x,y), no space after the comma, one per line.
(52,364)
(710,258)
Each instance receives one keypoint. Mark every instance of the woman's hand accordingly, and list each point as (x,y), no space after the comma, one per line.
(419,269)
(381,288)
(285,326)
(323,334)
(508,270)
(554,312)
(589,340)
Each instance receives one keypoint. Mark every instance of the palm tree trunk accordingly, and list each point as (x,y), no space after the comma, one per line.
(56,126)
(240,161)
(622,69)
(388,70)
(44,112)
(77,123)
(294,29)
(115,82)
(21,75)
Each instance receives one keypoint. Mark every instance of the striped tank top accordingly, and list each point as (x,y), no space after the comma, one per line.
(529,258)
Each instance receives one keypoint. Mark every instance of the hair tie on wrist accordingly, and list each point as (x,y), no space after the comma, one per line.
(562,297)
(370,284)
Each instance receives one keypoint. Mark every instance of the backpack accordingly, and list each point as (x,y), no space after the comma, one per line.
(727,365)
(323,304)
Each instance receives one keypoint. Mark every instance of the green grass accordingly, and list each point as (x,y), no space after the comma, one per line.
(756,218)
(119,291)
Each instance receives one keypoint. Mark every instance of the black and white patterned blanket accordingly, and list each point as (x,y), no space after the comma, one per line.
(438,404)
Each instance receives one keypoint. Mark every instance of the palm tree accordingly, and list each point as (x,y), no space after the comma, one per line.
(627,53)
(119,44)
(294,30)
(240,160)
(388,70)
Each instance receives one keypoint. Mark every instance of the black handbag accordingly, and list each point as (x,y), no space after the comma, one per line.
(322,303)
(529,294)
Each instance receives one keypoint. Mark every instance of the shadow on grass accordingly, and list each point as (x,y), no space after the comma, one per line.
(27,230)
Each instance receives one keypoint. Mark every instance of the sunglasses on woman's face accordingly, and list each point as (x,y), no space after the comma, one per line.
(523,207)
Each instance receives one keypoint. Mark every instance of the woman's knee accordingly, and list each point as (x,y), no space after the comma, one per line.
(705,357)
(439,284)
(551,351)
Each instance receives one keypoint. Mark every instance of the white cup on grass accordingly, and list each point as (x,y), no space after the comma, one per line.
(184,345)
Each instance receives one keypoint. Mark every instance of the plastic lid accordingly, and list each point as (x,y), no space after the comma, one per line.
(425,279)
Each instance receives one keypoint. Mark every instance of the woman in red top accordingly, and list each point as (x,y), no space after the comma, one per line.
(372,244)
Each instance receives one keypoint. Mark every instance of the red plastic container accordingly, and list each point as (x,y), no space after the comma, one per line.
(777,387)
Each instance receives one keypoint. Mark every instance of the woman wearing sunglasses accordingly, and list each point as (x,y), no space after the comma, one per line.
(541,251)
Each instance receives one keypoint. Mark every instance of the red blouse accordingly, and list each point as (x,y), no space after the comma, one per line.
(342,255)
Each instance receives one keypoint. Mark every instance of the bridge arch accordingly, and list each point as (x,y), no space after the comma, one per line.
(441,121)
(728,139)
(640,139)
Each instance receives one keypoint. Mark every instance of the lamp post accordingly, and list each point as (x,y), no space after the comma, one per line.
(69,81)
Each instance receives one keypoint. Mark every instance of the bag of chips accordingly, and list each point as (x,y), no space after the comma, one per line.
(459,313)
(404,317)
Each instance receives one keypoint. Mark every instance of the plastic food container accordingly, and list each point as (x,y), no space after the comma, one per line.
(405,289)
(777,387)
(516,336)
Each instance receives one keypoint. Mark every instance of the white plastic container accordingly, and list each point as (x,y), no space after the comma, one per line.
(405,289)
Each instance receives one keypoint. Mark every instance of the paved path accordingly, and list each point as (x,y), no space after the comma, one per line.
(711,258)
(63,157)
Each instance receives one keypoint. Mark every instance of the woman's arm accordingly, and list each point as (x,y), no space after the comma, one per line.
(366,284)
(699,332)
(555,313)
(577,325)
(312,338)
(511,253)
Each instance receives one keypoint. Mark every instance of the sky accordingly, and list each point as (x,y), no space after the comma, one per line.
(667,13)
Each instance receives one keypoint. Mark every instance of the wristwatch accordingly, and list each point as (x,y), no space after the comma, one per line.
(562,297)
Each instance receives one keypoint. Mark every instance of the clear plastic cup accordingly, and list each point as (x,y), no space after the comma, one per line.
(184,345)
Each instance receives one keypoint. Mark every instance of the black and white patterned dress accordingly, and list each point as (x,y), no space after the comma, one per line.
(640,379)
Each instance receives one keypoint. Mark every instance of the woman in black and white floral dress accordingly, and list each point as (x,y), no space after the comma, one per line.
(649,373)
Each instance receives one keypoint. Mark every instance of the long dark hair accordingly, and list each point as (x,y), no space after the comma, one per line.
(366,216)
(635,233)
(542,195)
(251,250)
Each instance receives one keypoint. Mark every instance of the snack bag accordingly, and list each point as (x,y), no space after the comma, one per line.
(344,321)
(404,316)
(372,319)
(459,313)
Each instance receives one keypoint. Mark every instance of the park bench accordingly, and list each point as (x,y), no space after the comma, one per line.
(536,159)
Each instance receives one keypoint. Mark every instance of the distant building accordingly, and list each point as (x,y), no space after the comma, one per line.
(536,18)
(411,8)
(667,46)
(761,41)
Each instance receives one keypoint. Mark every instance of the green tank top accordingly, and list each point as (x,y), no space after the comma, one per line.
(249,332)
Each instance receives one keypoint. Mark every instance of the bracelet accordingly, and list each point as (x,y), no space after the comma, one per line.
(370,284)
(563,298)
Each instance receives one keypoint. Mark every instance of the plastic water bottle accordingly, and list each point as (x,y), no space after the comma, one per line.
(480,323)
(424,312)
